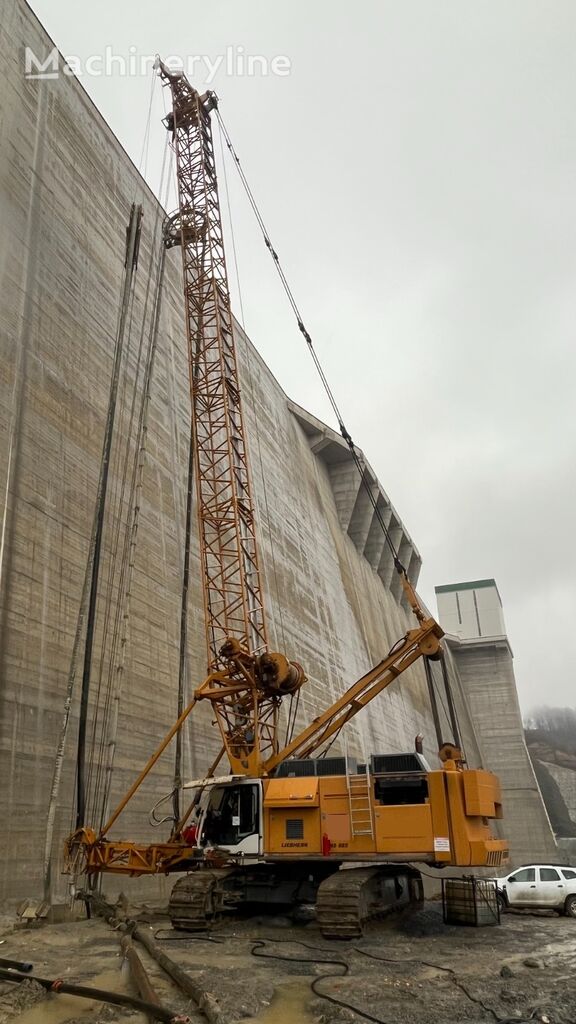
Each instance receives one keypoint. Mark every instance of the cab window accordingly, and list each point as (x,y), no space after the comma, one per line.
(549,875)
(525,875)
(232,815)
(568,874)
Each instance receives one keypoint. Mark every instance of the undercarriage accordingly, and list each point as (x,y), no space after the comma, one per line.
(344,898)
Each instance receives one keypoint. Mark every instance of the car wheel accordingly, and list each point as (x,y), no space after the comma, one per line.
(570,906)
(502,905)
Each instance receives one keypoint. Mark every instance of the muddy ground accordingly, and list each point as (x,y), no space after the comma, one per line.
(411,971)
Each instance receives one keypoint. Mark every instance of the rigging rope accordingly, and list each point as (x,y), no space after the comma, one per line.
(115,516)
(100,720)
(117,660)
(101,715)
(231,223)
(294,700)
(453,724)
(143,162)
(70,684)
(106,702)
(130,265)
(183,625)
(255,406)
(122,614)
(81,620)
(359,462)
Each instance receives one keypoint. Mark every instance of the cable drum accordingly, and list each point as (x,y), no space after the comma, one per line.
(277,676)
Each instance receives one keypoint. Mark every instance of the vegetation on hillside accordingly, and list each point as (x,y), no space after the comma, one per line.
(553,726)
(551,738)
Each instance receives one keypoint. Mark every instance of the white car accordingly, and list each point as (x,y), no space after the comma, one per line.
(539,887)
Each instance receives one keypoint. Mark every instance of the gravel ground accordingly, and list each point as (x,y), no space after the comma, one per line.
(523,970)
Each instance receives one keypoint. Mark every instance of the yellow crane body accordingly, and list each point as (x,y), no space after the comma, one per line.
(335,817)
(313,817)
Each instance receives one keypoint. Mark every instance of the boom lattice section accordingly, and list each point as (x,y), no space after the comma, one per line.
(232,580)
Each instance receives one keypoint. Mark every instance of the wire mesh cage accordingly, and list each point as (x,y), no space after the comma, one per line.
(470,901)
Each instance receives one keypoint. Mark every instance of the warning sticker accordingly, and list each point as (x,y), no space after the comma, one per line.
(441,844)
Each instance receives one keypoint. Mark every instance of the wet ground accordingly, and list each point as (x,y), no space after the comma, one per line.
(267,971)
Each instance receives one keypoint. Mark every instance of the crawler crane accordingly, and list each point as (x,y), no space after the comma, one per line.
(281,825)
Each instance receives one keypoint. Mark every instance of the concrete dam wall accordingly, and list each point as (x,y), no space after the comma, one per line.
(334,601)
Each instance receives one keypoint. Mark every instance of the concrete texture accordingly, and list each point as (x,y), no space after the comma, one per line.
(334,602)
(566,779)
(486,672)
(472,615)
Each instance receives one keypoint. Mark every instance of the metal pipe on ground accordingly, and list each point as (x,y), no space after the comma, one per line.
(205,1001)
(139,974)
(98,994)
(17,965)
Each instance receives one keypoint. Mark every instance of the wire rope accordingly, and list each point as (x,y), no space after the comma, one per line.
(253,396)
(80,623)
(438,693)
(231,223)
(356,455)
(100,723)
(118,654)
(125,523)
(121,625)
(100,714)
(114,514)
(143,162)
(130,266)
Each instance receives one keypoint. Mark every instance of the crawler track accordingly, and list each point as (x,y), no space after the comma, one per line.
(349,898)
(197,899)
(345,900)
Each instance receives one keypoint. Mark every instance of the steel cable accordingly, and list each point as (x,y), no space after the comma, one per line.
(120,636)
(358,460)
(267,519)
(117,501)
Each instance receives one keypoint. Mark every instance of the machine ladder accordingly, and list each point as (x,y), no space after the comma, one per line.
(360,804)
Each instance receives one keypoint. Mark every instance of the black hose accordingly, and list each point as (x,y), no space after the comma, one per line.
(457,982)
(100,995)
(186,938)
(314,984)
(17,965)
(259,943)
(336,1001)
(437,967)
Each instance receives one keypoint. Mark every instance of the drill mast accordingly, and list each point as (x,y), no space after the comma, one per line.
(246,682)
(232,588)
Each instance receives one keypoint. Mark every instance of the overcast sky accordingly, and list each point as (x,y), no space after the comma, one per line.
(416,169)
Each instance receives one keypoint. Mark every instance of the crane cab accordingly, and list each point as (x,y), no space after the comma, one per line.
(231,818)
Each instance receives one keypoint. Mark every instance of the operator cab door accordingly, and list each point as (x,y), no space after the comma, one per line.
(232,818)
(521,887)
(551,887)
